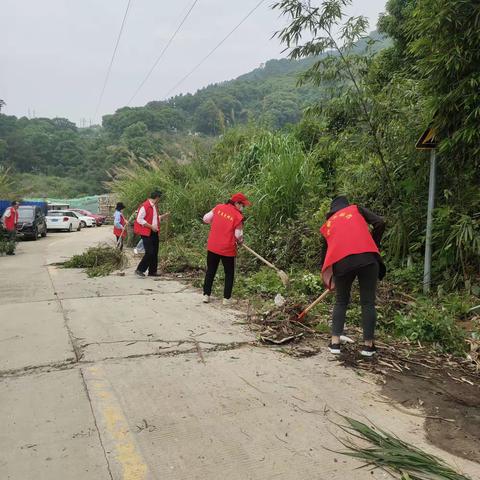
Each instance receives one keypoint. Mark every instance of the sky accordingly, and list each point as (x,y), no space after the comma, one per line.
(54,54)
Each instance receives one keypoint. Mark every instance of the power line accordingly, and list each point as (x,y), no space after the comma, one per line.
(215,48)
(162,53)
(112,59)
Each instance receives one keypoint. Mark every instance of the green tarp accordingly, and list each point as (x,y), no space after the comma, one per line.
(91,204)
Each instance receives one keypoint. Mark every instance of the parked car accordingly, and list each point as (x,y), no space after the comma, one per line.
(31,222)
(85,221)
(63,220)
(99,219)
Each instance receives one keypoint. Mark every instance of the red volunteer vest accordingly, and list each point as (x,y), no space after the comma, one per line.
(221,240)
(121,231)
(140,229)
(346,233)
(11,221)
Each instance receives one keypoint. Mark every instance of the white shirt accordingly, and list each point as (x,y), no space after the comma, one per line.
(8,212)
(141,216)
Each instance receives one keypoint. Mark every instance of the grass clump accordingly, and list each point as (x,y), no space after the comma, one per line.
(7,246)
(388,452)
(98,261)
(433,321)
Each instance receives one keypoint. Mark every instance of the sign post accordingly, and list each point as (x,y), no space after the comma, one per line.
(428,142)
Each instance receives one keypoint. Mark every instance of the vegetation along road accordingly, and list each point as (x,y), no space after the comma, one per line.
(122,378)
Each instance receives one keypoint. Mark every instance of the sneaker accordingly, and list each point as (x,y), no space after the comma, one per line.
(369,351)
(135,251)
(140,274)
(334,348)
(227,301)
(206,299)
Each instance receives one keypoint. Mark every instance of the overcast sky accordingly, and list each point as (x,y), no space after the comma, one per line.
(54,54)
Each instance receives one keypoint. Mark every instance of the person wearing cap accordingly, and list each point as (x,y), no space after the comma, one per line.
(119,225)
(226,232)
(147,225)
(352,250)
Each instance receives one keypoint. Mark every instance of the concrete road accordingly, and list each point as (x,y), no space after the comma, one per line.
(124,378)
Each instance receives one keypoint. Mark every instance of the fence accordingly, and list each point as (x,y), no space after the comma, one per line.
(102,204)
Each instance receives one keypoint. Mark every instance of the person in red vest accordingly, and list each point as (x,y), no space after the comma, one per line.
(147,225)
(119,225)
(352,251)
(10,220)
(226,232)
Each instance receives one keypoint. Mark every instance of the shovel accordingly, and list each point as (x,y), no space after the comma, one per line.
(283,276)
(316,302)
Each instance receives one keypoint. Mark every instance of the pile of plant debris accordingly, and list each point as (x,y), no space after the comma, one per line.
(281,326)
(383,450)
(98,261)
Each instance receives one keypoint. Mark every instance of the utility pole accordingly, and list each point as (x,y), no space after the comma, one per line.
(427,267)
(428,142)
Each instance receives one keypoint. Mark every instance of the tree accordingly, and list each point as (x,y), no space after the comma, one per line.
(2,104)
(342,65)
(138,140)
(209,118)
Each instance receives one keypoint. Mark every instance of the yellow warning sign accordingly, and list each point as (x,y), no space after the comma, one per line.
(427,141)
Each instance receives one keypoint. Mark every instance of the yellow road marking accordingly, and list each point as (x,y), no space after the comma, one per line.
(110,416)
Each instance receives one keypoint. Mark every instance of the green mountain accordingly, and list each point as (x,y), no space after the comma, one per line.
(80,158)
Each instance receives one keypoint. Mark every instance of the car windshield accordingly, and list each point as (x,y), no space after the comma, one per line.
(25,214)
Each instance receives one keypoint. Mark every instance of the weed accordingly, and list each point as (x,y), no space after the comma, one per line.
(98,261)
(427,321)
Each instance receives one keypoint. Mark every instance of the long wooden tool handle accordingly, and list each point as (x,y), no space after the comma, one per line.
(317,301)
(266,262)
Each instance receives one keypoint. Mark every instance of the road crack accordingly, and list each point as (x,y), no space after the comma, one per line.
(71,364)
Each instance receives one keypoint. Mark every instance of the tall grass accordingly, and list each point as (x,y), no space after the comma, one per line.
(272,169)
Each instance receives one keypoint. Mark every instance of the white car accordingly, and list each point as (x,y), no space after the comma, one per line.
(63,220)
(85,221)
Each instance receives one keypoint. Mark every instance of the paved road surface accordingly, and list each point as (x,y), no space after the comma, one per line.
(122,378)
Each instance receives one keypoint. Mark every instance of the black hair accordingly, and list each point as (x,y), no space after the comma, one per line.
(14,203)
(156,194)
(338,203)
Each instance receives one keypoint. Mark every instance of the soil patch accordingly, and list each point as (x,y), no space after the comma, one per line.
(446,389)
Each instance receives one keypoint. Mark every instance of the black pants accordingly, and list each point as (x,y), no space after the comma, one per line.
(213,261)
(150,259)
(367,279)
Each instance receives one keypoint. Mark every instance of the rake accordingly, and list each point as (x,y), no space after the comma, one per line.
(283,276)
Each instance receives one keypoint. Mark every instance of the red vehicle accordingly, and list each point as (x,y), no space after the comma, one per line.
(99,219)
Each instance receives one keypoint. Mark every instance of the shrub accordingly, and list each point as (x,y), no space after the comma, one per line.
(426,321)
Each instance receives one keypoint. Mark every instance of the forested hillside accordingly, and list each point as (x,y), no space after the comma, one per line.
(77,160)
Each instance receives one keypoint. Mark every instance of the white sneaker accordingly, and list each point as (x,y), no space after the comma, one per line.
(135,251)
(227,301)
(206,299)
